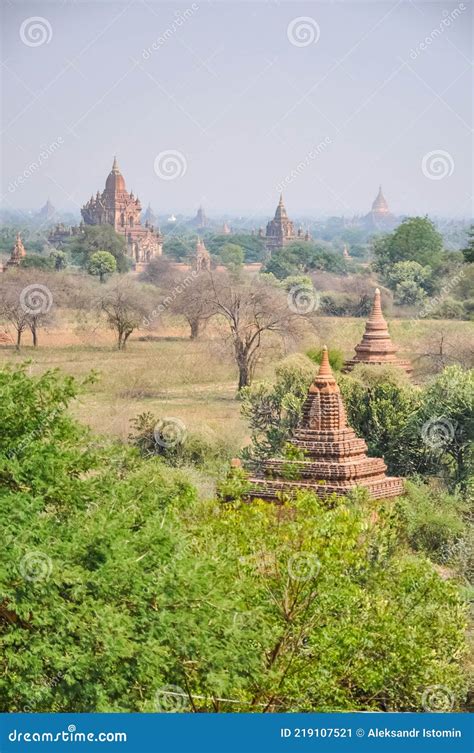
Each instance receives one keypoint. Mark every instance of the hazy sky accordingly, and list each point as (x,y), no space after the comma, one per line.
(330,99)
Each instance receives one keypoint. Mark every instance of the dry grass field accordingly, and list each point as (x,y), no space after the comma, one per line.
(196,381)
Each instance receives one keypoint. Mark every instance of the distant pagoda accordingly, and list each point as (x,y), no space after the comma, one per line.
(380,216)
(47,212)
(376,346)
(336,459)
(280,231)
(200,220)
(203,257)
(18,253)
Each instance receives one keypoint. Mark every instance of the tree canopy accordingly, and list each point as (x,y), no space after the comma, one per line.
(99,238)
(120,591)
(416,239)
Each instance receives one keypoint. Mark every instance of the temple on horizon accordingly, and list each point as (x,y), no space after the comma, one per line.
(334,459)
(380,216)
(117,207)
(280,231)
(376,346)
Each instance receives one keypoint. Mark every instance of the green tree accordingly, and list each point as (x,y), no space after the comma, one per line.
(36,261)
(99,238)
(410,282)
(59,259)
(447,424)
(232,257)
(252,245)
(302,257)
(273,410)
(468,251)
(102,263)
(117,582)
(416,239)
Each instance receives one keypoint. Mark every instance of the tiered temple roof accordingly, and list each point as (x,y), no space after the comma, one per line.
(280,231)
(117,207)
(376,346)
(335,459)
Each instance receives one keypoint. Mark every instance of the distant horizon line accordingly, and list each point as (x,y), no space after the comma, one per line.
(242,215)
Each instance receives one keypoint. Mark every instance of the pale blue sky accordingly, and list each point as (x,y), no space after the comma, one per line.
(244,106)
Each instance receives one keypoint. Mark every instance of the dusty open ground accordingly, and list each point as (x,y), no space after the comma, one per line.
(195,381)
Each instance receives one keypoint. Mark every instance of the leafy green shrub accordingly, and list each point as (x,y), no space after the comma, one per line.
(117,581)
(273,410)
(449,309)
(234,486)
(432,520)
(183,448)
(382,408)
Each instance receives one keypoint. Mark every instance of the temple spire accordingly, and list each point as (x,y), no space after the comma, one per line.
(376,346)
(325,367)
(334,459)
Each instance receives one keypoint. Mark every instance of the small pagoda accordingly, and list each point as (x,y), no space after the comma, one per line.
(376,346)
(18,253)
(202,258)
(335,459)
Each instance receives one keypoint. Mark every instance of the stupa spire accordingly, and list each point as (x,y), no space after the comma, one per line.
(335,459)
(376,346)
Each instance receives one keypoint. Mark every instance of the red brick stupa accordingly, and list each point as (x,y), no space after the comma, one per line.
(335,458)
(376,345)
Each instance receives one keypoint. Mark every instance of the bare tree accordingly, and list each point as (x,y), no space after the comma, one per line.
(192,296)
(251,309)
(26,301)
(126,305)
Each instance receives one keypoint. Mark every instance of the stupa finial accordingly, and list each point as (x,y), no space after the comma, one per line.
(325,367)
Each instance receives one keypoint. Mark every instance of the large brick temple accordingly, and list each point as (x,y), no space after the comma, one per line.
(117,207)
(281,230)
(335,459)
(376,346)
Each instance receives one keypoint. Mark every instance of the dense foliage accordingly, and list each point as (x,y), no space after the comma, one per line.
(98,238)
(416,239)
(301,257)
(120,591)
